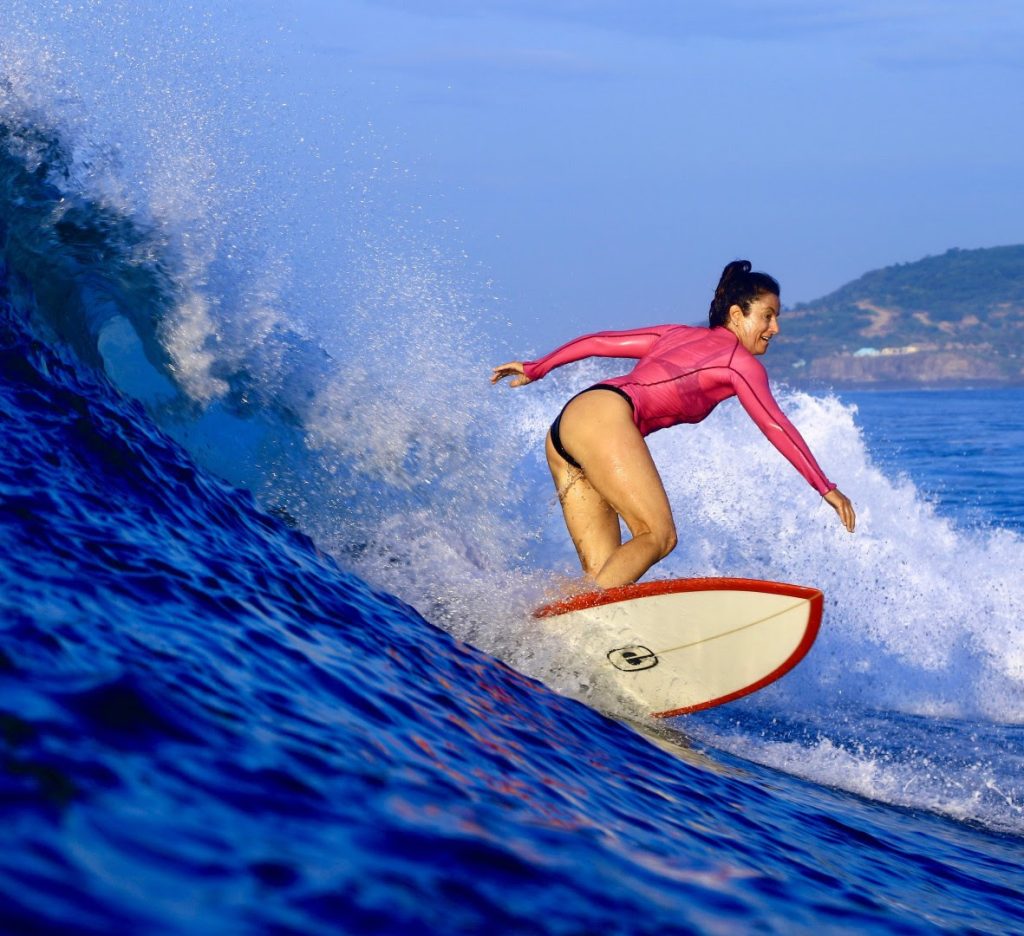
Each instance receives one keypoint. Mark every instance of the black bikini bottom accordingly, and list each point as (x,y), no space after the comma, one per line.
(556,439)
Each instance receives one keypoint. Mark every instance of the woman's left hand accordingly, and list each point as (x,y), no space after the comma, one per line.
(842,505)
(513,369)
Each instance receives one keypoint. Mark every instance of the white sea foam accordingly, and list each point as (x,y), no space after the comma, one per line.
(981,788)
(158,125)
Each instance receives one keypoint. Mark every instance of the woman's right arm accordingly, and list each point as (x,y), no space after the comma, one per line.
(622,344)
(751,384)
(842,505)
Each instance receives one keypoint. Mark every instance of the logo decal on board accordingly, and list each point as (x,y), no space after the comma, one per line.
(632,659)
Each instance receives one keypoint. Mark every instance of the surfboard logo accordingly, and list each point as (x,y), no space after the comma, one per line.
(632,659)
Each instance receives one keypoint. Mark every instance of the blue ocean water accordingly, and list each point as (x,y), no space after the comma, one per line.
(266,663)
(967,457)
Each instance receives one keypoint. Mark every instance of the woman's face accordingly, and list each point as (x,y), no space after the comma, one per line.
(759,325)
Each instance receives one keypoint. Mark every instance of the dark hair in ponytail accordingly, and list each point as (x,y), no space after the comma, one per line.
(739,286)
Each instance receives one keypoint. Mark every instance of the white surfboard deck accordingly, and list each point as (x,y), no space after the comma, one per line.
(681,645)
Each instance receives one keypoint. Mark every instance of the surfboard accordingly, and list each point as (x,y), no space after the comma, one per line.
(682,645)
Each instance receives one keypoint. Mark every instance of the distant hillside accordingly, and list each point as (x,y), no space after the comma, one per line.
(949,320)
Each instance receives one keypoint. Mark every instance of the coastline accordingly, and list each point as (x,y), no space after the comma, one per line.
(822,386)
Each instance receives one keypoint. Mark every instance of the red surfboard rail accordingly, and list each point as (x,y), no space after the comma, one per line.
(814,597)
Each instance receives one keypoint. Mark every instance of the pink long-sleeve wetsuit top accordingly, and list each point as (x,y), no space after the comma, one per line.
(683,373)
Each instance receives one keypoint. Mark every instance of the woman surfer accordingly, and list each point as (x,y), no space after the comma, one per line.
(596,451)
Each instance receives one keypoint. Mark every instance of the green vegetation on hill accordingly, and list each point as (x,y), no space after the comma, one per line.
(953,319)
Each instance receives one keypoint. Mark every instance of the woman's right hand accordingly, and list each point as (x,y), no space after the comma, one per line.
(513,369)
(842,505)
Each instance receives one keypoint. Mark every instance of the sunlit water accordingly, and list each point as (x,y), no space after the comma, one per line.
(271,541)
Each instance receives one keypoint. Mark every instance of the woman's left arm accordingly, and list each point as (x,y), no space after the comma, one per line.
(513,369)
(634,343)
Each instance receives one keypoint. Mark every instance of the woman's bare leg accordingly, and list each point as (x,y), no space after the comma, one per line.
(597,429)
(592,524)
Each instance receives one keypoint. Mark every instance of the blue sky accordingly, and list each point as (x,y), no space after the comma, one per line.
(603,159)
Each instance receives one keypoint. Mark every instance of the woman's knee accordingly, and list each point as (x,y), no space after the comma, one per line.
(661,535)
(665,538)
(591,566)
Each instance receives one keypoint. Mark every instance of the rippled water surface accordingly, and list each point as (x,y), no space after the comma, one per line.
(266,659)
